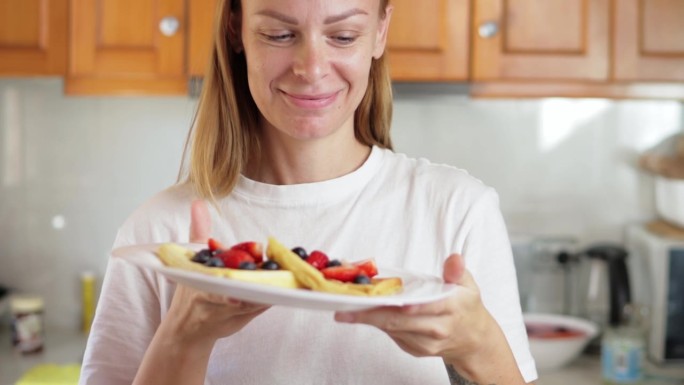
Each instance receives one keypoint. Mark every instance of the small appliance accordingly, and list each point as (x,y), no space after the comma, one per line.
(557,276)
(606,284)
(657,268)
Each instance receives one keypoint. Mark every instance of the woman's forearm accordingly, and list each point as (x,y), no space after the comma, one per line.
(169,361)
(493,364)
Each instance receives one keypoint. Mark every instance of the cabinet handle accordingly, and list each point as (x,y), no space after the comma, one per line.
(169,25)
(488,29)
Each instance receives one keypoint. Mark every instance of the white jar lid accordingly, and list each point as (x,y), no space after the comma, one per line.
(26,304)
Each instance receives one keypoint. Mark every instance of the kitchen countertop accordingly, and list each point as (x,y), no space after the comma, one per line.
(586,370)
(67,346)
(61,347)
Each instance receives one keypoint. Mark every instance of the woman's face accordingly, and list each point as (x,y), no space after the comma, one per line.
(308,61)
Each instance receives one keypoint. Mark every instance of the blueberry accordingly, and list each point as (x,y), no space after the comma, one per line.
(301,252)
(270,265)
(246,265)
(334,262)
(362,278)
(202,256)
(214,262)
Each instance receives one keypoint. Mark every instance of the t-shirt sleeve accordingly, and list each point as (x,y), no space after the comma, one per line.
(126,318)
(129,309)
(489,258)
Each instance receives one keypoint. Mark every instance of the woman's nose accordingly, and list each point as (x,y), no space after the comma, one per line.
(311,62)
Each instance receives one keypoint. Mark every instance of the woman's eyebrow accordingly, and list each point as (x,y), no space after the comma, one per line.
(278,16)
(328,20)
(344,15)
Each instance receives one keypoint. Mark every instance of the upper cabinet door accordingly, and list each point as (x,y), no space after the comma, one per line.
(127,46)
(541,40)
(201,33)
(649,40)
(429,41)
(33,37)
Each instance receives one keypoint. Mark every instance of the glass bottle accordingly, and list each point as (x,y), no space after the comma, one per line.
(623,348)
(88,300)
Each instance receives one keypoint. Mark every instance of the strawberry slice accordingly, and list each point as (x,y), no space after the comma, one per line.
(232,258)
(345,273)
(368,267)
(214,245)
(318,259)
(255,249)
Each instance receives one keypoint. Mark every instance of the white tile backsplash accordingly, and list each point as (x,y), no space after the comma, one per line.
(560,166)
(89,161)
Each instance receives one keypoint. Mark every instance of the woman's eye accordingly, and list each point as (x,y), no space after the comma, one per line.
(279,38)
(344,40)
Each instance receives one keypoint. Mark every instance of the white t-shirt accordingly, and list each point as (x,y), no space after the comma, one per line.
(406,213)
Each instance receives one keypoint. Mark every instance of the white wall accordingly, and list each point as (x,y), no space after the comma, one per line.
(560,166)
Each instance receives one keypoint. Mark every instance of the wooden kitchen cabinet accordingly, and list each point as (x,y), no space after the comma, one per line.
(430,41)
(202,14)
(33,37)
(127,47)
(649,40)
(548,40)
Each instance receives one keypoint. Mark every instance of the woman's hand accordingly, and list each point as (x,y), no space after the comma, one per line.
(196,316)
(179,352)
(459,329)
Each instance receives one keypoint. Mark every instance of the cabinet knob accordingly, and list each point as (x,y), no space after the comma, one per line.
(488,29)
(169,25)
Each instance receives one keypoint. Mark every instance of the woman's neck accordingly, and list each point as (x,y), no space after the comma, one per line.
(315,160)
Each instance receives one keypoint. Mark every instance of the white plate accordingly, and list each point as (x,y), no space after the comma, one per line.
(418,288)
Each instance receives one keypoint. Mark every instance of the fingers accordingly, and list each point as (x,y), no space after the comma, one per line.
(384,318)
(394,320)
(244,308)
(238,306)
(455,271)
(200,222)
(454,267)
(217,302)
(241,307)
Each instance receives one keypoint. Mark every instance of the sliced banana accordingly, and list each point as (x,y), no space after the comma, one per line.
(310,277)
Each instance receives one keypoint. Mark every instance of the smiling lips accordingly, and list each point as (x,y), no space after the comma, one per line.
(312,102)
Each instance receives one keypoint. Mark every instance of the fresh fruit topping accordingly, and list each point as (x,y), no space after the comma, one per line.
(214,262)
(318,259)
(362,279)
(334,262)
(202,256)
(301,252)
(248,266)
(368,267)
(341,273)
(255,249)
(214,245)
(232,258)
(270,265)
(250,256)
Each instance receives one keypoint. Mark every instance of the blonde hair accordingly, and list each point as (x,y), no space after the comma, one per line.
(225,127)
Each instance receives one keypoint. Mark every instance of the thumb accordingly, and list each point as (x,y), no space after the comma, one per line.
(455,271)
(200,222)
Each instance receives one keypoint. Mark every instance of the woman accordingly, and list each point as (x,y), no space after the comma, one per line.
(292,140)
